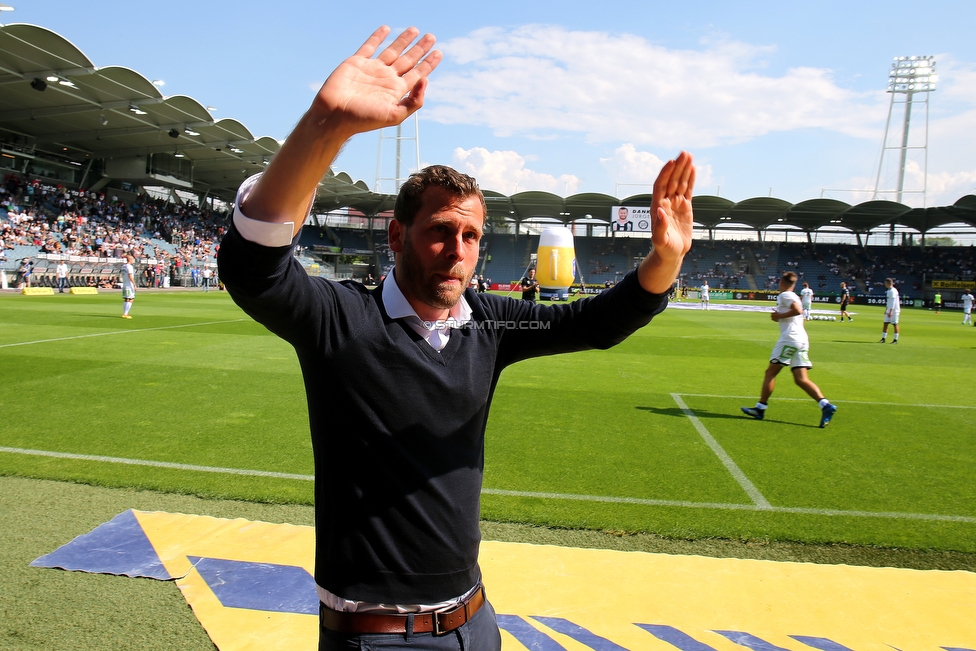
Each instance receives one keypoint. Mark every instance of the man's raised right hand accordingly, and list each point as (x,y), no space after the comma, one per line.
(366,93)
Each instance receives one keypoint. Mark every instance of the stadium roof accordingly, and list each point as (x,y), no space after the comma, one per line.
(60,102)
(759,213)
(56,104)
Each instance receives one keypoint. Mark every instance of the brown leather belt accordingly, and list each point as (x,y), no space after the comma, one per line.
(437,623)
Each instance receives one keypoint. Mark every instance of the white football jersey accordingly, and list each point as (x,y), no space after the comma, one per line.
(791,327)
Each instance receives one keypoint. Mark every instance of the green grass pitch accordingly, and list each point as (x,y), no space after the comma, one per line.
(645,437)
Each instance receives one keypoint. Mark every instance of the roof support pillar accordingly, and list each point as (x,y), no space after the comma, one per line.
(99,184)
(84,176)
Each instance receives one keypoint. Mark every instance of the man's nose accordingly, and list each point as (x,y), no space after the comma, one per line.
(455,247)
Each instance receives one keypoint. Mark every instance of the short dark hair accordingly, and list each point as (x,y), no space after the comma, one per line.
(411,195)
(789,277)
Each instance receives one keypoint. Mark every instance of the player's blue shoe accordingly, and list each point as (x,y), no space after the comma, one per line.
(755,413)
(826,414)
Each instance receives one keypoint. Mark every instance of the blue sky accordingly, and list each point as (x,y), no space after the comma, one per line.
(773,98)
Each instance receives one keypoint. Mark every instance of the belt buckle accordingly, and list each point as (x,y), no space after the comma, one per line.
(462,607)
(448,614)
(436,624)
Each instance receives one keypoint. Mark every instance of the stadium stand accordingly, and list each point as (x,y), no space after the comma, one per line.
(66,192)
(93,232)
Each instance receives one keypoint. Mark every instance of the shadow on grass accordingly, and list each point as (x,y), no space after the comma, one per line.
(675,411)
(704,413)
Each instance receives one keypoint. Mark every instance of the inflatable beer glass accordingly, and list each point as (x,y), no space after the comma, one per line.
(556,264)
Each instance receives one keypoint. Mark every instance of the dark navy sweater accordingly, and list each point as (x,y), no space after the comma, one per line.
(397,427)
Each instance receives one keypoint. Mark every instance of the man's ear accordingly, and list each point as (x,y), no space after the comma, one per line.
(397,233)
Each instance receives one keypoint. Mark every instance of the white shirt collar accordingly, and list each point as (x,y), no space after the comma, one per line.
(436,333)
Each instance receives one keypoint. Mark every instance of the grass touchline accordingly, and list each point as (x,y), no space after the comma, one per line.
(116,332)
(512,493)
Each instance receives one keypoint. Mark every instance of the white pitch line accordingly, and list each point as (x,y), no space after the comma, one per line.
(118,332)
(739,476)
(846,402)
(891,515)
(509,493)
(158,464)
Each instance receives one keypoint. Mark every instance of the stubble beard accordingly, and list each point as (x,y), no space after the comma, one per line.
(425,288)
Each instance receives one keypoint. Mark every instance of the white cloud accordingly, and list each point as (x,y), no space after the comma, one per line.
(632,167)
(947,187)
(505,172)
(942,188)
(957,80)
(545,80)
(628,165)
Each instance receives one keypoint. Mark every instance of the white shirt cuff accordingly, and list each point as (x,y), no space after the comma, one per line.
(272,234)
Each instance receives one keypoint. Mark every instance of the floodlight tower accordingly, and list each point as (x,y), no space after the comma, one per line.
(399,175)
(911,78)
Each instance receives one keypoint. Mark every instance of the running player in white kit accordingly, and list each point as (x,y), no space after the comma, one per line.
(791,350)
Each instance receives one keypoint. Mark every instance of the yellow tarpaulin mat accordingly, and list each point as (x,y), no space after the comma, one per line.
(250,585)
